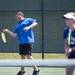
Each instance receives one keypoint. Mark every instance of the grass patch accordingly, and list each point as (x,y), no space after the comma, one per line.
(35,56)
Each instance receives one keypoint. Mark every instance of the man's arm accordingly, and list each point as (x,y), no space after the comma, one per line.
(65,47)
(10,32)
(34,24)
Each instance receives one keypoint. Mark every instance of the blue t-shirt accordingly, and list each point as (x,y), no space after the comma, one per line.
(24,36)
(72,37)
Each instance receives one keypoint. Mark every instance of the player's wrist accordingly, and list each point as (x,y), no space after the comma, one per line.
(5,30)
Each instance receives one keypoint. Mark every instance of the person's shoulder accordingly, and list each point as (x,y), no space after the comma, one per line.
(31,19)
(74,31)
(28,18)
(66,28)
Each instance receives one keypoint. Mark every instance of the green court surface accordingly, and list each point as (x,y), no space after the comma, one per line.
(35,55)
(29,70)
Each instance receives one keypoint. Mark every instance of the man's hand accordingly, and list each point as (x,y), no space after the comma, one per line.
(10,32)
(26,28)
(66,51)
(5,30)
(34,24)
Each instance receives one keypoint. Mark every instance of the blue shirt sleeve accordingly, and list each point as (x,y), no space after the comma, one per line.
(30,20)
(14,30)
(65,34)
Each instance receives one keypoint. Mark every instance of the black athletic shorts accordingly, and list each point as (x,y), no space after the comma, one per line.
(25,49)
(71,55)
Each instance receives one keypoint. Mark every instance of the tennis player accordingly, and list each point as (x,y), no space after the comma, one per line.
(69,36)
(24,31)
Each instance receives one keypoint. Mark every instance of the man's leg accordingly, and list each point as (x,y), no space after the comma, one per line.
(23,57)
(36,70)
(69,70)
(22,71)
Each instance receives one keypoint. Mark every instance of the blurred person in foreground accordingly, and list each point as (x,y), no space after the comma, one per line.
(24,31)
(69,37)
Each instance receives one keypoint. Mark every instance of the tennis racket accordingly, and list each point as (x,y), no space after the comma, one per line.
(3,36)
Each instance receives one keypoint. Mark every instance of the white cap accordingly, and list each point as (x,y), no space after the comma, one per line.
(70,15)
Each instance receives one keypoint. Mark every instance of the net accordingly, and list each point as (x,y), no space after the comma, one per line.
(47,67)
(39,63)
